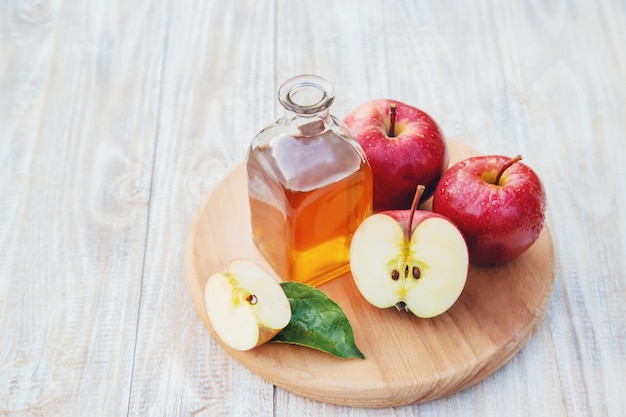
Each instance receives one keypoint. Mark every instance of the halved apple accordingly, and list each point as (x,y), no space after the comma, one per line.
(246,305)
(412,259)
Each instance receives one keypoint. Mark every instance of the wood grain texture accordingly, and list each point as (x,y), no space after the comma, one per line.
(206,89)
(116,119)
(78,168)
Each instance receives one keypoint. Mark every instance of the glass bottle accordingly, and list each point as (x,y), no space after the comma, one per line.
(309,185)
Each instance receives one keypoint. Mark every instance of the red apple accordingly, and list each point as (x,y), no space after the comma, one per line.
(412,259)
(498,203)
(405,148)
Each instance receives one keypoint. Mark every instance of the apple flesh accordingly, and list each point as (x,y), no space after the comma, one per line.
(412,259)
(404,146)
(246,305)
(498,203)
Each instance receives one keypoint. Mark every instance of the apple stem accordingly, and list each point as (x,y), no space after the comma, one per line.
(506,166)
(416,199)
(392,120)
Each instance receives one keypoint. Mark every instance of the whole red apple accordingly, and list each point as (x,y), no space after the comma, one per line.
(498,203)
(405,148)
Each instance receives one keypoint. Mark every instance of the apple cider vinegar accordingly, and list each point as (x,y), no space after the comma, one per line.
(309,186)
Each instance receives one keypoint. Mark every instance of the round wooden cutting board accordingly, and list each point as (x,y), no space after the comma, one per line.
(408,359)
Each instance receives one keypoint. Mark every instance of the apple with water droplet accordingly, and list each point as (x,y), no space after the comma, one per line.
(404,146)
(498,202)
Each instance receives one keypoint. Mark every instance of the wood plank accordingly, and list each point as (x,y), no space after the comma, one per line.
(77,153)
(218,93)
(562,90)
(343,42)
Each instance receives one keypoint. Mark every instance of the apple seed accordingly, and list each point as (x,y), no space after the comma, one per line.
(395,275)
(416,272)
(252,299)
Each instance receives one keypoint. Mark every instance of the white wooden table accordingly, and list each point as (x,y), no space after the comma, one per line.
(117,117)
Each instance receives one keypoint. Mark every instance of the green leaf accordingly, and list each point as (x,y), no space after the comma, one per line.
(317,322)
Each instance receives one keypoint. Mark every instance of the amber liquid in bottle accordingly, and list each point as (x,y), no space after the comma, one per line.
(307,197)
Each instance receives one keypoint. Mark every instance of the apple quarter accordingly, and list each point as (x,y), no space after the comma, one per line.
(246,306)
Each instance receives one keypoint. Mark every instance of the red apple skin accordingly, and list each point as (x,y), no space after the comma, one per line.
(416,154)
(499,222)
(403,218)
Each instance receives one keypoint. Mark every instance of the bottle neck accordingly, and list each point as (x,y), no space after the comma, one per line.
(308,125)
(307,100)
(306,95)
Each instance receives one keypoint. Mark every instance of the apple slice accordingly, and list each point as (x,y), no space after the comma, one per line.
(413,259)
(246,305)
